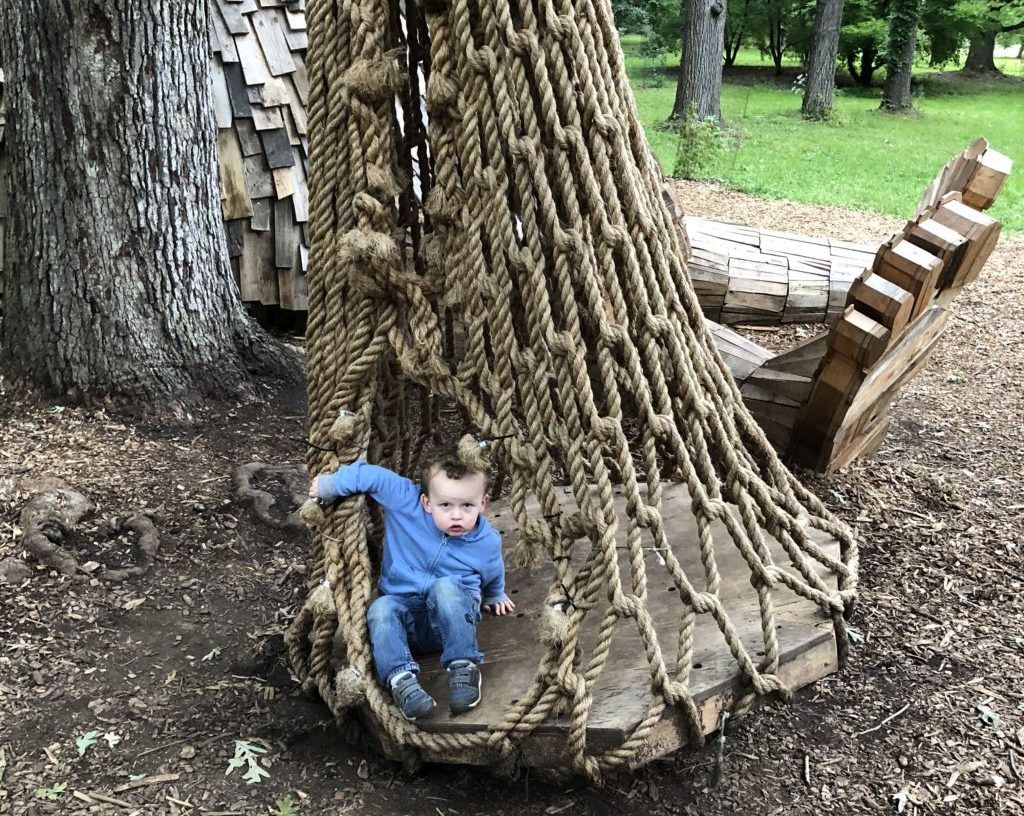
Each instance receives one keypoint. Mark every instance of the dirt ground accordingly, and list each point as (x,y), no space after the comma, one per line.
(130,697)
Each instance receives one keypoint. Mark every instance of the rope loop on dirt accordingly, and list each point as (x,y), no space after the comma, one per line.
(507,257)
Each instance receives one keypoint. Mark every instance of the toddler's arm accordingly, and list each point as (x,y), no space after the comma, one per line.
(387,488)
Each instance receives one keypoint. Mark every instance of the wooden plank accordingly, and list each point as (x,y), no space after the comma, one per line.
(275,92)
(284,182)
(237,91)
(234,20)
(247,135)
(235,231)
(221,100)
(277,148)
(296,106)
(276,50)
(902,361)
(250,56)
(267,118)
(804,358)
(989,175)
(979,229)
(740,355)
(261,208)
(942,242)
(300,198)
(912,268)
(234,194)
(258,180)
(787,388)
(860,338)
(286,235)
(301,80)
(883,301)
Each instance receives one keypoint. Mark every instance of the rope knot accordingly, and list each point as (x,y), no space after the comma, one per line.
(569,242)
(347,427)
(663,425)
(646,516)
(440,206)
(713,508)
(615,235)
(374,263)
(606,429)
(605,124)
(561,343)
(470,451)
(372,80)
(349,688)
(483,61)
(554,626)
(659,325)
(312,512)
(381,181)
(442,94)
(534,543)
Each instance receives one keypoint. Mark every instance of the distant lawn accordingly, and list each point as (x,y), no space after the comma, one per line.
(864,158)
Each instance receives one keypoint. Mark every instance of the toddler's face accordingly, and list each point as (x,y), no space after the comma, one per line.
(455,504)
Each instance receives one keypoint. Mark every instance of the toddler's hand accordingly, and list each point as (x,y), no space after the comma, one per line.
(313,492)
(500,608)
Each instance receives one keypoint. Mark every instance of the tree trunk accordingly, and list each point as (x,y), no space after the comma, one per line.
(117,281)
(900,61)
(821,67)
(700,74)
(981,54)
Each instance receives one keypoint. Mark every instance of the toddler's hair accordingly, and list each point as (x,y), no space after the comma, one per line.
(448,458)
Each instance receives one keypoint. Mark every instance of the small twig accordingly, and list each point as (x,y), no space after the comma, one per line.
(807,770)
(171,744)
(716,773)
(149,780)
(884,722)
(99,797)
(308,443)
(1013,765)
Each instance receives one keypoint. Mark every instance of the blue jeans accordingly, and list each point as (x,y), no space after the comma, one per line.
(444,621)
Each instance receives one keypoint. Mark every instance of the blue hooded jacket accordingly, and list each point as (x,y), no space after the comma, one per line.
(416,553)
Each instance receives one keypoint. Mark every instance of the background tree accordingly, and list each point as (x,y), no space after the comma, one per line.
(863,37)
(738,23)
(776,22)
(699,89)
(983,21)
(821,68)
(117,280)
(900,55)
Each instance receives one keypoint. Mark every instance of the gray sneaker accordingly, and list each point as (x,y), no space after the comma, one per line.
(464,684)
(410,697)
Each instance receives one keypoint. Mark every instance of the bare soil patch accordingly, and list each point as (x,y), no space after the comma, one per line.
(170,669)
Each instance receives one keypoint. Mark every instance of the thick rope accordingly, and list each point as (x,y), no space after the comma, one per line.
(535,243)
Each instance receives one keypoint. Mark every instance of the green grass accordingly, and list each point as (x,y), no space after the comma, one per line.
(861,158)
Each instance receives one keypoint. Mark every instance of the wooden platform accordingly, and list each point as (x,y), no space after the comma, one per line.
(622,694)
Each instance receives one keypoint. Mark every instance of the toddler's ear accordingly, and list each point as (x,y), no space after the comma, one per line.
(425,501)
(485,501)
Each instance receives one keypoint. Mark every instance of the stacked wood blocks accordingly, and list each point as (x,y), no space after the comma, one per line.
(825,402)
(895,314)
(746,275)
(260,91)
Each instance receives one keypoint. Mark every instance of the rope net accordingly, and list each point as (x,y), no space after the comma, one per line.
(490,248)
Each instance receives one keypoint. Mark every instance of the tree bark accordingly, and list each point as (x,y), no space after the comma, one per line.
(821,67)
(117,281)
(700,73)
(900,61)
(981,54)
